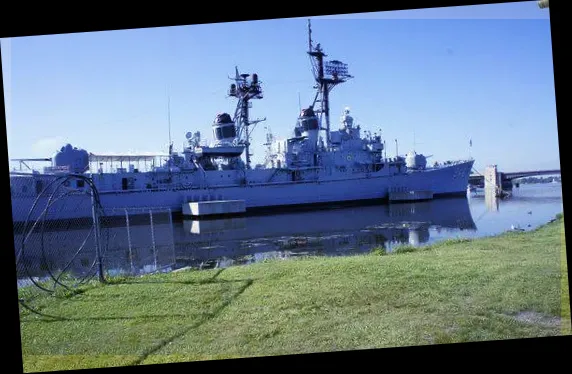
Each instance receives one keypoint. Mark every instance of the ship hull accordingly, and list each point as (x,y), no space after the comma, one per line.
(444,181)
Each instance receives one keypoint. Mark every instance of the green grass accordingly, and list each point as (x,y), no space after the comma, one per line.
(511,286)
(566,321)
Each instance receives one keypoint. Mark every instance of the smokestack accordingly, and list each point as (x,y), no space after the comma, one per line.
(543,4)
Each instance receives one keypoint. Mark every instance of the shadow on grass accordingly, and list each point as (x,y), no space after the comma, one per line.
(205,319)
(65,319)
(212,279)
(52,318)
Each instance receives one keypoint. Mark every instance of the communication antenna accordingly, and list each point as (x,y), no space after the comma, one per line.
(327,74)
(244,90)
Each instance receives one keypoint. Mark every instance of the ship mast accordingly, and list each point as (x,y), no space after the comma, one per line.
(245,90)
(327,74)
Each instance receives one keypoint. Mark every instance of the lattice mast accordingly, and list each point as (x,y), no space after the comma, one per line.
(327,74)
(245,89)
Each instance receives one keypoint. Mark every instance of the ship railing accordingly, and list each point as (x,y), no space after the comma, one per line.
(113,210)
(37,174)
(297,168)
(443,164)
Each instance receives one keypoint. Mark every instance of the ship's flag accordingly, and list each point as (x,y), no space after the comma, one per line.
(470,142)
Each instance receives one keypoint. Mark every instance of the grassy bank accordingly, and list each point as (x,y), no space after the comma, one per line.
(509,286)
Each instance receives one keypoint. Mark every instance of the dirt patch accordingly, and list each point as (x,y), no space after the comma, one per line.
(537,319)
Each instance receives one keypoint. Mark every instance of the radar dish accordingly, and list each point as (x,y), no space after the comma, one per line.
(189,135)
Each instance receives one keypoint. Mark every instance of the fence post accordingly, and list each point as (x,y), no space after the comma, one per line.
(172,231)
(97,237)
(129,241)
(153,239)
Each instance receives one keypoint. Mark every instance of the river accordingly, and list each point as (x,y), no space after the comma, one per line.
(333,232)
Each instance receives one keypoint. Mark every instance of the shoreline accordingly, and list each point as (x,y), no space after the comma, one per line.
(510,286)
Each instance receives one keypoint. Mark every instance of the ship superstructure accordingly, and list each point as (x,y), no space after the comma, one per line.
(317,165)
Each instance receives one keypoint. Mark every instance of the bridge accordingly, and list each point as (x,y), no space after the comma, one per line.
(479,179)
(503,180)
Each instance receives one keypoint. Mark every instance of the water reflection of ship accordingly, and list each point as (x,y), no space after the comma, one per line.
(135,249)
(329,232)
(138,249)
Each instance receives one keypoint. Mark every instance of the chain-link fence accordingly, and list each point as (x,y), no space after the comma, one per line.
(63,237)
(137,240)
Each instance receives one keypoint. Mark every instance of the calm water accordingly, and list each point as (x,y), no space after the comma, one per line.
(530,206)
(334,232)
(347,231)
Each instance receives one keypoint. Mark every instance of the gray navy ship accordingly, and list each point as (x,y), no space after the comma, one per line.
(317,165)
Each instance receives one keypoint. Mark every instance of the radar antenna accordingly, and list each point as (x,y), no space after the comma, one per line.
(327,74)
(244,90)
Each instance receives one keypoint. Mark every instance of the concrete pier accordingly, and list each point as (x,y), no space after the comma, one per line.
(495,182)
(492,178)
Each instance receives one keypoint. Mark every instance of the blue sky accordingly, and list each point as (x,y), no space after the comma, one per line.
(439,76)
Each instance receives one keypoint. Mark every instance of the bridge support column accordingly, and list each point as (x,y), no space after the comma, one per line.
(491,200)
(492,180)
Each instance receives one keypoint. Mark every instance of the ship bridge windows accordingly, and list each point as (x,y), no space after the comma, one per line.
(309,124)
(224,132)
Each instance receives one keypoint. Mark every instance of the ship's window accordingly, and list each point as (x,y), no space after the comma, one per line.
(229,132)
(310,124)
(225,132)
(80,183)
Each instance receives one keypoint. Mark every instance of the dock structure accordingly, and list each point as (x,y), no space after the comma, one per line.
(214,208)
